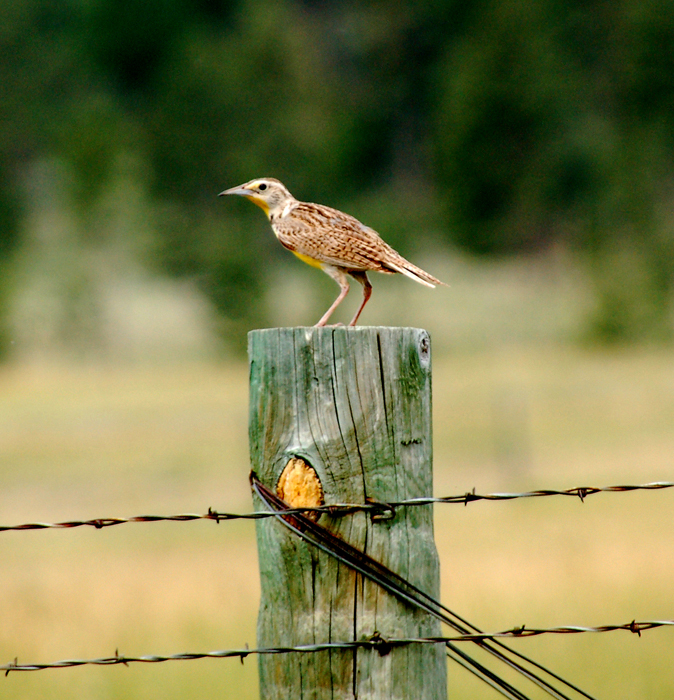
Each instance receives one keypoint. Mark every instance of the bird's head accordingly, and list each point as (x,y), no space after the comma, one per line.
(268,193)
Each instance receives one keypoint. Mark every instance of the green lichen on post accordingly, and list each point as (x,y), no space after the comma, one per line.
(354,404)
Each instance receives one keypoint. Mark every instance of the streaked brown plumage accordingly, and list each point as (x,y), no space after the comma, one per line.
(329,239)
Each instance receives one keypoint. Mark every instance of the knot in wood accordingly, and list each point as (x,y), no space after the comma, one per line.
(299,486)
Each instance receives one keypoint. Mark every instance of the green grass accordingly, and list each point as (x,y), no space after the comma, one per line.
(77,443)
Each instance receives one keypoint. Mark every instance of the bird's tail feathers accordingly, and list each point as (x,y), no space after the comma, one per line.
(414,273)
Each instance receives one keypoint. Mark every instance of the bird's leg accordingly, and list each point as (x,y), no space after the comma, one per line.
(338,275)
(361,276)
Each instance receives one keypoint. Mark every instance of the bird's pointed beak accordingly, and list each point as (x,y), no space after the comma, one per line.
(252,195)
(240,190)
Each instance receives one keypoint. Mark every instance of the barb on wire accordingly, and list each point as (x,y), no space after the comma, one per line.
(375,508)
(377,642)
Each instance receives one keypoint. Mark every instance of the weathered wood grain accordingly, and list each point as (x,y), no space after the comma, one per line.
(355,404)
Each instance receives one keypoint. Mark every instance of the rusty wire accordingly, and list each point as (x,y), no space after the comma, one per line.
(376,642)
(100,523)
(376,508)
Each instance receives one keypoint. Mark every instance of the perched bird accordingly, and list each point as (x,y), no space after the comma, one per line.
(328,239)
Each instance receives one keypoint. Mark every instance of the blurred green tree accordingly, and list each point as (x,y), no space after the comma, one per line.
(507,125)
(555,125)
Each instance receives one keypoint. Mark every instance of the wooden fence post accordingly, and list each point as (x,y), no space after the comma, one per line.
(355,405)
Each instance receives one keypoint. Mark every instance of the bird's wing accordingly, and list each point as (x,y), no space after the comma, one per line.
(333,237)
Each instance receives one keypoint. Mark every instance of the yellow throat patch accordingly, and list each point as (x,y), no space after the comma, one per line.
(260,203)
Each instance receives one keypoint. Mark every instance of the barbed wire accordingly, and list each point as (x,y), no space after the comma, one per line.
(100,523)
(377,509)
(580,492)
(377,642)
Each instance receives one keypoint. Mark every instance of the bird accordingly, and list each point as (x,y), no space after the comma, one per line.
(329,240)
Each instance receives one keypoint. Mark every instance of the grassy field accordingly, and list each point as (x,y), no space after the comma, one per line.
(102,442)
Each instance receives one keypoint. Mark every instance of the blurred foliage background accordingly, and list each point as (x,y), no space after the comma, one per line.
(495,129)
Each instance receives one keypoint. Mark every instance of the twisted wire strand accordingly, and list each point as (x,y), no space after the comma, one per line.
(376,508)
(376,642)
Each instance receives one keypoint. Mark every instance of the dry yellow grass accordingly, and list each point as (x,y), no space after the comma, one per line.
(98,442)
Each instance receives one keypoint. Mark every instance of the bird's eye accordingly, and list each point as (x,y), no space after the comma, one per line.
(262,186)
